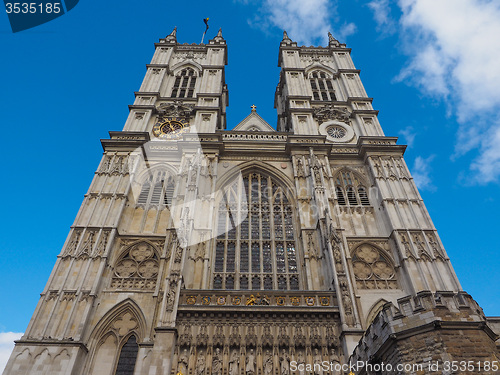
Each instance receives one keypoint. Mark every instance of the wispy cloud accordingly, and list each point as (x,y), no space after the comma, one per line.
(382,15)
(409,134)
(421,172)
(454,55)
(487,164)
(306,21)
(6,346)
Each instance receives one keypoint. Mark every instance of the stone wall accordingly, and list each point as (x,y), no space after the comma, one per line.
(425,334)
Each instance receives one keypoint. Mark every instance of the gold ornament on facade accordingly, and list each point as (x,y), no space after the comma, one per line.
(310,301)
(205,300)
(236,300)
(221,300)
(324,301)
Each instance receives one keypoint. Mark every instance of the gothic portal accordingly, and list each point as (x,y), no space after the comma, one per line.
(204,251)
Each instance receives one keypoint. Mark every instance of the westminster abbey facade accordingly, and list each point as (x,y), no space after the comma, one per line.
(254,251)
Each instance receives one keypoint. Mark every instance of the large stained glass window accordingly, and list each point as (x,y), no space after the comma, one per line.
(255,248)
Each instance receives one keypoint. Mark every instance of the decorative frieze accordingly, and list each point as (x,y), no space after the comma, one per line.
(258,300)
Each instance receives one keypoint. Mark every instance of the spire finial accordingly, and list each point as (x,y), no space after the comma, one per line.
(285,35)
(219,39)
(171,38)
(332,40)
(254,108)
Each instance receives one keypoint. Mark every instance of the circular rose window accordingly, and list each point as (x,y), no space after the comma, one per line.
(336,132)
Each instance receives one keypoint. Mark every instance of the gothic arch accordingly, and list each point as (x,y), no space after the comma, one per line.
(259,167)
(364,180)
(122,251)
(112,332)
(22,358)
(114,315)
(143,175)
(374,310)
(318,66)
(260,233)
(177,68)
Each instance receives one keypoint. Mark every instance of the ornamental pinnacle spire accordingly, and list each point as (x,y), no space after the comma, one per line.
(172,37)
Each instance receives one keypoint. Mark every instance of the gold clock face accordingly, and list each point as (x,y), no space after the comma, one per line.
(170,128)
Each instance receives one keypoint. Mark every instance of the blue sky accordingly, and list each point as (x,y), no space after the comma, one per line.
(431,67)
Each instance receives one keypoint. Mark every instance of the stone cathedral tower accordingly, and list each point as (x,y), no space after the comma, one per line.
(204,251)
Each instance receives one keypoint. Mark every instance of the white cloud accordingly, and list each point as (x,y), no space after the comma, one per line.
(306,21)
(409,135)
(382,14)
(454,55)
(487,165)
(6,346)
(421,171)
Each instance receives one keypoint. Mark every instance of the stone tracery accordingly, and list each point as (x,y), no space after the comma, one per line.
(137,267)
(372,268)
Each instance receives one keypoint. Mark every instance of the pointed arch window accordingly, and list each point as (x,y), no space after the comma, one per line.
(158,189)
(350,191)
(128,357)
(184,84)
(256,247)
(322,86)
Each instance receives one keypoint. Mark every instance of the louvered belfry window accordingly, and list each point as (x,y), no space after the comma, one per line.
(322,86)
(256,247)
(184,84)
(158,189)
(350,191)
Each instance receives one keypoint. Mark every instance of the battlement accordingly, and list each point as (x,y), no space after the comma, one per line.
(440,326)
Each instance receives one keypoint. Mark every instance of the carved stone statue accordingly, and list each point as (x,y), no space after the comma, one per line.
(217,362)
(250,363)
(301,363)
(317,368)
(334,359)
(182,366)
(234,362)
(170,299)
(284,363)
(268,363)
(200,364)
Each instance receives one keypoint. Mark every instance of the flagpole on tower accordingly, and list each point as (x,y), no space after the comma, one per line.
(206,24)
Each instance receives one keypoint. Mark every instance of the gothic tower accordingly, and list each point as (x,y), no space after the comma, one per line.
(204,251)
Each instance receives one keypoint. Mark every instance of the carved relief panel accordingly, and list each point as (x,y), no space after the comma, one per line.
(373,267)
(137,267)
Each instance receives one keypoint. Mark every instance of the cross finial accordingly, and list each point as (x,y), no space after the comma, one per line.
(254,108)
